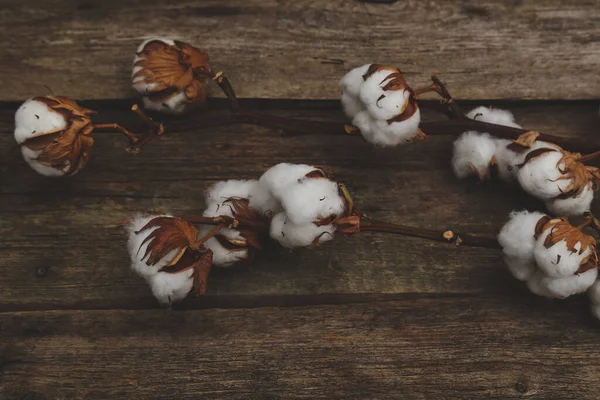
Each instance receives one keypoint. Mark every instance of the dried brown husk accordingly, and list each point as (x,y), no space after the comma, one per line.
(253,226)
(173,69)
(561,229)
(571,168)
(173,233)
(67,149)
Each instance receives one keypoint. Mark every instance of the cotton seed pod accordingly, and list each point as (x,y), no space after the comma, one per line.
(474,154)
(562,250)
(170,75)
(493,116)
(160,245)
(381,105)
(549,174)
(561,288)
(54,133)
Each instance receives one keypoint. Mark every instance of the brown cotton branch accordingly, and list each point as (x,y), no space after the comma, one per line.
(449,236)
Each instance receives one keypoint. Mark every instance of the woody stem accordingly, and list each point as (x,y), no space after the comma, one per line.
(132,137)
(155,130)
(209,235)
(226,87)
(466,239)
(589,157)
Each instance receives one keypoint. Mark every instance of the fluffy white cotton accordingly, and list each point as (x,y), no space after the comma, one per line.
(557,261)
(370,107)
(547,286)
(136,253)
(225,190)
(518,242)
(493,116)
(223,257)
(170,288)
(34,118)
(508,161)
(381,133)
(311,199)
(292,235)
(572,205)
(353,80)
(539,177)
(30,156)
(473,154)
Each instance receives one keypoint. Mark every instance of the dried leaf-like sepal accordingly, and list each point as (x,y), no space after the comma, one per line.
(170,234)
(66,149)
(252,225)
(562,230)
(173,69)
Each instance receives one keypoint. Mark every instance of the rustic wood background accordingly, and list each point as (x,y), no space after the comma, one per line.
(369,316)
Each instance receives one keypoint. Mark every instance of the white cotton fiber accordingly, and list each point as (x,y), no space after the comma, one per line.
(572,205)
(292,235)
(539,176)
(473,154)
(353,80)
(224,190)
(560,288)
(280,176)
(34,118)
(170,288)
(558,261)
(223,257)
(493,116)
(136,253)
(351,105)
(518,242)
(176,104)
(311,199)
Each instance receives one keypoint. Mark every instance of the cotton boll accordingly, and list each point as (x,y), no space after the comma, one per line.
(572,205)
(312,199)
(34,118)
(352,81)
(263,201)
(372,88)
(540,176)
(292,235)
(520,268)
(170,288)
(280,176)
(517,236)
(223,257)
(30,156)
(137,250)
(508,160)
(351,105)
(473,153)
(389,104)
(493,116)
(544,285)
(232,188)
(557,260)
(396,133)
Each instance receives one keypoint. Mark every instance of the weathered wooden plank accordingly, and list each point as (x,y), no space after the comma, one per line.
(271,49)
(454,348)
(67,228)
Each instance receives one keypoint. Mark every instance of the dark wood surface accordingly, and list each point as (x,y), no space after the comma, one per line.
(365,316)
(486,49)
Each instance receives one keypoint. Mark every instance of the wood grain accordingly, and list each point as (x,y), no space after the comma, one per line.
(492,49)
(446,348)
(62,249)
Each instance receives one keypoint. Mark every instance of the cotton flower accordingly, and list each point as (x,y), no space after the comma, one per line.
(55,135)
(559,178)
(555,258)
(381,105)
(170,75)
(164,251)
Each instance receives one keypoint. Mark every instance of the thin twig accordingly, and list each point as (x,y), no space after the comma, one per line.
(450,236)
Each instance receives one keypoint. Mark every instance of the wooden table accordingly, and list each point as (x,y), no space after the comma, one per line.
(366,316)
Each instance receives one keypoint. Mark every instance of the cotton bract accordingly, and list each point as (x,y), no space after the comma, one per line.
(381,105)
